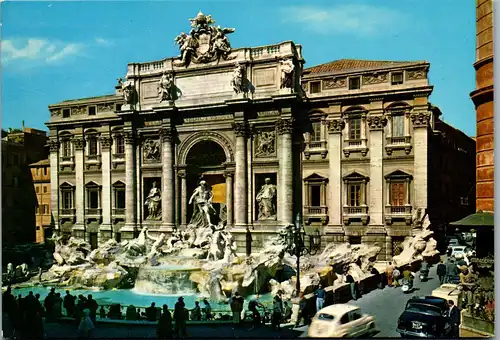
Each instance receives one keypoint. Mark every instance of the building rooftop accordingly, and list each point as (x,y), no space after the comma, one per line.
(343,65)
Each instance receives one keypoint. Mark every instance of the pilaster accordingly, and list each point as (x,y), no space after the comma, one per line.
(376,125)
(79,144)
(335,127)
(421,121)
(106,204)
(168,192)
(285,130)
(181,173)
(54,181)
(229,174)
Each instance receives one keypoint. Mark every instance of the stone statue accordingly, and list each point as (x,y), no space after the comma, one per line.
(166,87)
(128,90)
(158,242)
(151,150)
(10,271)
(287,68)
(202,206)
(153,202)
(266,198)
(265,144)
(204,43)
(238,81)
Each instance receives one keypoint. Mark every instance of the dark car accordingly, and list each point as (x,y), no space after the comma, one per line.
(424,317)
(430,302)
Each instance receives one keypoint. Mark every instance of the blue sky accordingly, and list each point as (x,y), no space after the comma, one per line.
(53,51)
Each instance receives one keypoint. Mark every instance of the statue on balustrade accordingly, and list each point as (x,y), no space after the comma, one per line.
(166,87)
(153,202)
(127,90)
(266,198)
(287,68)
(203,211)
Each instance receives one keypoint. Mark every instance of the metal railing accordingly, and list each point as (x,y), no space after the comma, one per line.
(399,210)
(310,210)
(360,210)
(399,139)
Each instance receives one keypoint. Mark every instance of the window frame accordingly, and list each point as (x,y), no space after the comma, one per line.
(67,191)
(397,73)
(312,85)
(94,109)
(354,130)
(66,113)
(93,145)
(119,143)
(399,177)
(92,188)
(401,128)
(315,135)
(119,187)
(353,78)
(360,180)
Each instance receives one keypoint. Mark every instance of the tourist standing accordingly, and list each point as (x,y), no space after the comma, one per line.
(451,270)
(207,310)
(49,303)
(164,328)
(302,310)
(69,304)
(57,305)
(454,314)
(86,325)
(180,318)
(151,312)
(102,313)
(277,313)
(389,272)
(441,271)
(92,306)
(320,297)
(236,307)
(395,277)
(287,312)
(196,312)
(252,306)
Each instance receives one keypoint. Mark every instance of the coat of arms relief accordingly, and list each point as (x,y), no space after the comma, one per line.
(204,43)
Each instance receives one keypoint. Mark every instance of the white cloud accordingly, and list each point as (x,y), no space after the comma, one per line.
(102,41)
(352,19)
(37,50)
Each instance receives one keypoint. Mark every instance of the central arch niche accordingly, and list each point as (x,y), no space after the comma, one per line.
(206,160)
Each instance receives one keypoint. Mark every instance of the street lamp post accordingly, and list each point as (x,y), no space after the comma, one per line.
(295,244)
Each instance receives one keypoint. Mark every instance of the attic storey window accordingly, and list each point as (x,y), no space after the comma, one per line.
(315,87)
(92,110)
(354,83)
(397,78)
(66,113)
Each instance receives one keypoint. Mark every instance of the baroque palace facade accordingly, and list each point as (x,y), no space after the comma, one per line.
(346,144)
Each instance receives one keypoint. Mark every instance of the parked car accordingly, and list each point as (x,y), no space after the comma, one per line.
(459,250)
(429,302)
(424,320)
(341,321)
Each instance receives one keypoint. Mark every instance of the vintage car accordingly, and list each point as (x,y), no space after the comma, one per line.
(341,321)
(449,291)
(424,317)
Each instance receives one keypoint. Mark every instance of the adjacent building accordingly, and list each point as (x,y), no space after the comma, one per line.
(352,146)
(19,200)
(40,172)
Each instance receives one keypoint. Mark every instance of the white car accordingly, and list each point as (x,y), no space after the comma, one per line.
(458,250)
(341,321)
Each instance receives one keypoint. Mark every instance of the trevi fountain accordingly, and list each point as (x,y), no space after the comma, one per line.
(203,261)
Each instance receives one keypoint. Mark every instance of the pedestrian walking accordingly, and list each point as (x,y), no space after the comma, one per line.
(320,297)
(454,314)
(389,273)
(277,313)
(396,274)
(236,308)
(86,325)
(441,271)
(287,312)
(164,328)
(302,311)
(451,271)
(180,318)
(352,285)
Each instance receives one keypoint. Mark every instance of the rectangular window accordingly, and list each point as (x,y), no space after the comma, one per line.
(93,199)
(397,78)
(67,199)
(66,148)
(315,195)
(37,190)
(37,171)
(44,189)
(66,113)
(37,210)
(355,128)
(119,198)
(42,209)
(92,146)
(118,107)
(316,132)
(354,83)
(397,194)
(315,87)
(354,195)
(120,145)
(398,126)
(355,239)
(92,110)
(45,170)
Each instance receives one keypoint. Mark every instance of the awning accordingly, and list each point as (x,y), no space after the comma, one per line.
(479,219)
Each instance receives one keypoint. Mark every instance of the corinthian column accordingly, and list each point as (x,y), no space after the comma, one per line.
(168,192)
(285,129)
(79,144)
(130,189)
(421,123)
(105,228)
(240,190)
(181,173)
(376,203)
(229,196)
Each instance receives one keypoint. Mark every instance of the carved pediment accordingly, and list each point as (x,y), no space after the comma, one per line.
(355,176)
(398,174)
(315,178)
